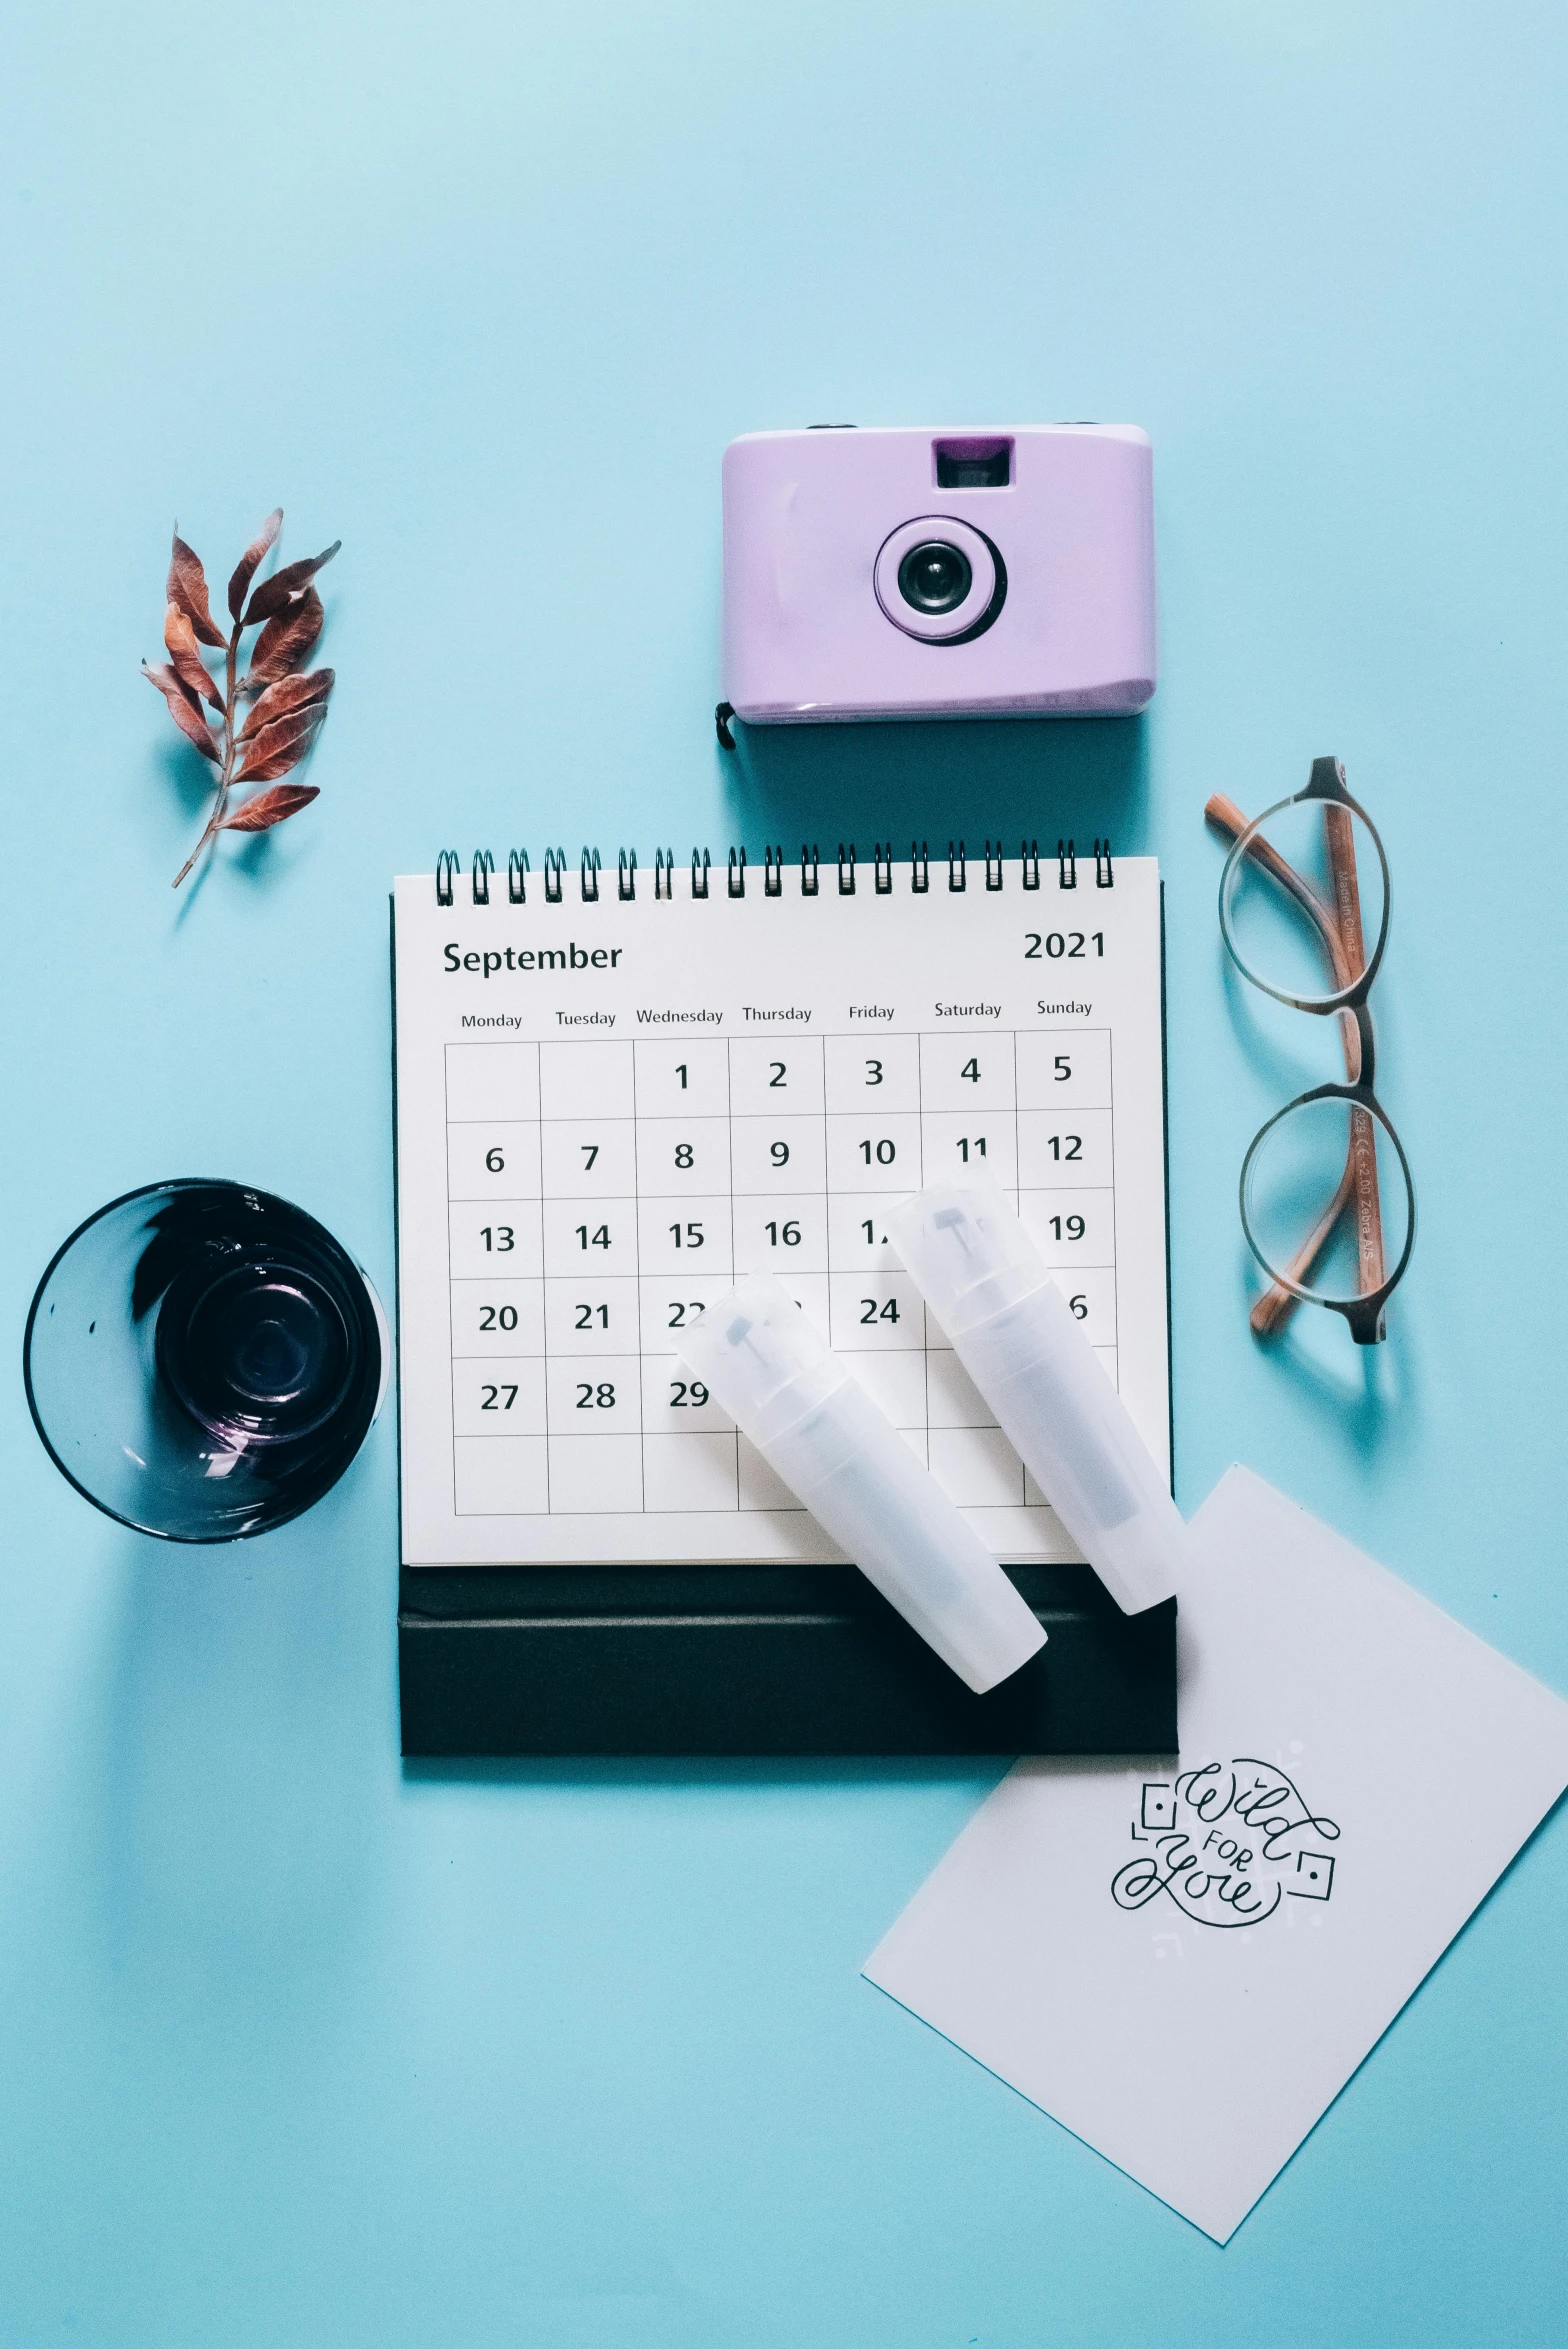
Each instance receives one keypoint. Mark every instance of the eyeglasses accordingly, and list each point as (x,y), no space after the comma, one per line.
(1327,1203)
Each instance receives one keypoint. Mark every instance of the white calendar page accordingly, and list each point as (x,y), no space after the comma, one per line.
(608,1110)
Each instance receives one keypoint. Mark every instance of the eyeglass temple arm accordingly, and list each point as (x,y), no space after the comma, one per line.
(1371,1267)
(1277,1303)
(1346,950)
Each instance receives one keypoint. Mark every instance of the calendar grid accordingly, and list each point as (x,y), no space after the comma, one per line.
(642,1459)
(539,1109)
(586,1178)
(925,1351)
(451,1277)
(1110,1094)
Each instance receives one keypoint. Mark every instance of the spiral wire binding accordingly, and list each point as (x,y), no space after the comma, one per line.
(449,865)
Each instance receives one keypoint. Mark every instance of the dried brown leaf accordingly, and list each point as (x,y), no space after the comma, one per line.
(286,586)
(290,693)
(188,588)
(285,641)
(269,808)
(245,569)
(183,709)
(180,637)
(282,744)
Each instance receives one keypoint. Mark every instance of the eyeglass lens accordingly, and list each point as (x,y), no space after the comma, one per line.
(1305,907)
(1327,1202)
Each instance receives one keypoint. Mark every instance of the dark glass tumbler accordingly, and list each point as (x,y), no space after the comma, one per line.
(203,1360)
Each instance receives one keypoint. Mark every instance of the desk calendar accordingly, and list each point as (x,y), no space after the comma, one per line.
(615,1095)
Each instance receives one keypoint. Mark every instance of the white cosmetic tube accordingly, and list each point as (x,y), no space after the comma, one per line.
(763,1362)
(1015,1334)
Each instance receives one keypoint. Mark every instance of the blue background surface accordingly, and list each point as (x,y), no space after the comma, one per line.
(297,2046)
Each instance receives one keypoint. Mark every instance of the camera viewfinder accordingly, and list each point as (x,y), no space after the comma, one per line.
(973,464)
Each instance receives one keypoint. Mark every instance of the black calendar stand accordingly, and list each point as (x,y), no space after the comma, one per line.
(735,1660)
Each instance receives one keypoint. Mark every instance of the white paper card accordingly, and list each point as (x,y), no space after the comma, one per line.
(1356,1771)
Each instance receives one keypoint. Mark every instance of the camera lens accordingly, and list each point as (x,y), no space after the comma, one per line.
(939,580)
(934,576)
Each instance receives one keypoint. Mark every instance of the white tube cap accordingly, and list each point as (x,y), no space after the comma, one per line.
(967,1251)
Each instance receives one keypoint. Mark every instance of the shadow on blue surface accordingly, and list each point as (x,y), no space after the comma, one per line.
(731,1774)
(1012,779)
(238,1813)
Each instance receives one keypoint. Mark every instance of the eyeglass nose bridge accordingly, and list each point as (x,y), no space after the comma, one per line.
(1364,1315)
(1360,1016)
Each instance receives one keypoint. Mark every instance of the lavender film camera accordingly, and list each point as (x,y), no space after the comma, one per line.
(938,574)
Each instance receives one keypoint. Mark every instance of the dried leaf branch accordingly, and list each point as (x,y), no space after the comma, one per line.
(289,704)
